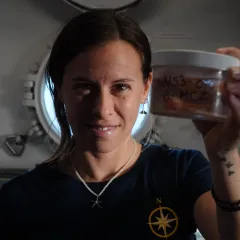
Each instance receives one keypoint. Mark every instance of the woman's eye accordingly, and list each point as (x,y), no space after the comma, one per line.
(120,87)
(82,87)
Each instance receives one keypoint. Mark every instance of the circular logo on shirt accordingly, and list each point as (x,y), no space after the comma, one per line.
(163,221)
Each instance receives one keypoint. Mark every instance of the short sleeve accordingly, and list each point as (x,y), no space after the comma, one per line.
(198,177)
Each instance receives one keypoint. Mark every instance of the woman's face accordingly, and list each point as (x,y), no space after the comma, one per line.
(102,90)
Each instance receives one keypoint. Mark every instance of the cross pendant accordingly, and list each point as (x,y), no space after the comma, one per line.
(96,203)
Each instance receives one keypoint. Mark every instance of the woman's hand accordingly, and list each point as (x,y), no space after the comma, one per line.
(224,138)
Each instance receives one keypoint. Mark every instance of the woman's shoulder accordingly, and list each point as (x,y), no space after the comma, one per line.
(164,152)
(182,160)
(178,166)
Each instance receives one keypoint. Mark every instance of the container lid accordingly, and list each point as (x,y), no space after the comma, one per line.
(192,58)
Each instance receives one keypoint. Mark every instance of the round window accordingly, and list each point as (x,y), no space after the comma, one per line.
(103,4)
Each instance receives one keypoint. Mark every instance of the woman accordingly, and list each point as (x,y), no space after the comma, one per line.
(101,183)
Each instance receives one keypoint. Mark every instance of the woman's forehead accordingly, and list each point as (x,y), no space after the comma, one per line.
(105,75)
(115,57)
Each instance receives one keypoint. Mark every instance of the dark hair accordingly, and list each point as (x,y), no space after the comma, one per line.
(80,34)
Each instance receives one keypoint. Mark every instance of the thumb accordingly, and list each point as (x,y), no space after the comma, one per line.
(231,51)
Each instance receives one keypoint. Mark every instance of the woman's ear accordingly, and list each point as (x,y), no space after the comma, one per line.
(147,87)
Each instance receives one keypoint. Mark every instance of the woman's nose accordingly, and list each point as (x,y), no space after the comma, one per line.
(104,106)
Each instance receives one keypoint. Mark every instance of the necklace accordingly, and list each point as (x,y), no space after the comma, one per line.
(97,202)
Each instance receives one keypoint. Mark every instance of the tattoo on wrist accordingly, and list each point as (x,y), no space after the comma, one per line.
(230,172)
(229,165)
(223,159)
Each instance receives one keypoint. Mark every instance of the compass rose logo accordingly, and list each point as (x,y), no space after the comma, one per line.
(163,221)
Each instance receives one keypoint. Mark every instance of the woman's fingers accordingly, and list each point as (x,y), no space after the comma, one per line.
(231,51)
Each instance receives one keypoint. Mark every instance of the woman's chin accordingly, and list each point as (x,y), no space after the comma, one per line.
(105,145)
(101,142)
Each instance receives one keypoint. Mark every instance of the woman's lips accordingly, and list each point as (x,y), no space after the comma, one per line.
(102,130)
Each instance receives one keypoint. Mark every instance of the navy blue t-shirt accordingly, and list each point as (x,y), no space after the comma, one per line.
(153,200)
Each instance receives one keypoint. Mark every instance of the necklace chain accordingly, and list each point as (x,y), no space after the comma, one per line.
(96,202)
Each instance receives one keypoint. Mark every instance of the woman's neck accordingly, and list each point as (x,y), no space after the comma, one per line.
(98,167)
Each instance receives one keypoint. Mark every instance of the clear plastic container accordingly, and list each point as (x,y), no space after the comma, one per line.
(185,87)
